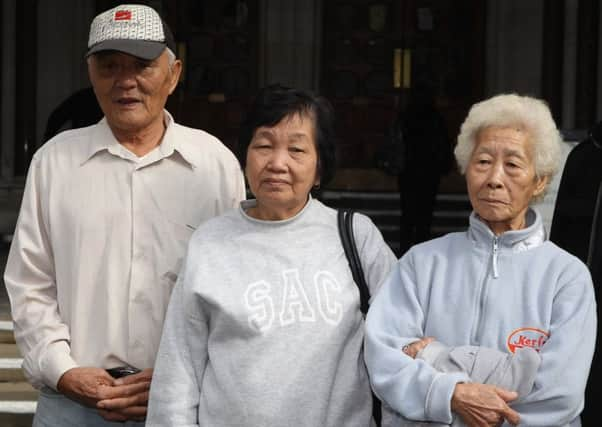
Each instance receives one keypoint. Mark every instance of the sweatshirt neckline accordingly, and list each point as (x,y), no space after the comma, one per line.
(532,236)
(246,204)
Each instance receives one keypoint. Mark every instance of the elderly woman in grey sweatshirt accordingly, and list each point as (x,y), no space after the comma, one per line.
(264,327)
(446,335)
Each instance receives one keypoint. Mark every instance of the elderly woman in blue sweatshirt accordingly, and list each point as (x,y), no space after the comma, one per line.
(500,286)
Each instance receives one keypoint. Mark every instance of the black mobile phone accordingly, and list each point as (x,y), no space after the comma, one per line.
(122,371)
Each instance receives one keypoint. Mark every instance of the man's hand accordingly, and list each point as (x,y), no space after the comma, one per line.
(483,405)
(413,348)
(85,385)
(127,399)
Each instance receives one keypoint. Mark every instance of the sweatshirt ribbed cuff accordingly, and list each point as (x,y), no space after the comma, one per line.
(438,400)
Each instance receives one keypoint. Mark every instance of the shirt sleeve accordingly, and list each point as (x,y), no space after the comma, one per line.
(233,188)
(182,357)
(558,392)
(411,387)
(40,333)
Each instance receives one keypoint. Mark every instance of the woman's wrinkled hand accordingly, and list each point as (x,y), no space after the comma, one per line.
(483,405)
(414,348)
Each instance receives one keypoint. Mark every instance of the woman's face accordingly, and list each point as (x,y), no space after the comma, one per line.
(282,167)
(501,177)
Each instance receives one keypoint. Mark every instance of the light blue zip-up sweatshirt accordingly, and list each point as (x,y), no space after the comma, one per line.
(473,288)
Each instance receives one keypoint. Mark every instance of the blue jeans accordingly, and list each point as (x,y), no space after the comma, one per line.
(56,410)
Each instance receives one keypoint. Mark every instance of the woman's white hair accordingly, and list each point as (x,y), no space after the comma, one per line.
(524,112)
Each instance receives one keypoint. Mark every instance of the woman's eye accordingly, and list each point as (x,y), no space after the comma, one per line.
(297,150)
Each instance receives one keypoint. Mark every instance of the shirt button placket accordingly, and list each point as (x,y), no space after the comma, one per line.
(136,265)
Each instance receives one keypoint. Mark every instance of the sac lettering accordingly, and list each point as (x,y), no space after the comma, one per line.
(260,303)
(327,288)
(289,302)
(295,305)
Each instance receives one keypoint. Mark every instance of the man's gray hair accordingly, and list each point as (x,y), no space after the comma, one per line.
(529,114)
(171,57)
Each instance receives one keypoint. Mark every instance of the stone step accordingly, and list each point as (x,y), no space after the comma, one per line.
(17,397)
(16,392)
(6,332)
(16,420)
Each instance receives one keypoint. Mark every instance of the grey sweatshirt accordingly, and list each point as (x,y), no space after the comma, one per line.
(264,326)
(498,292)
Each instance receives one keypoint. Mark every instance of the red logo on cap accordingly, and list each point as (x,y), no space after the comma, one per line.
(527,337)
(123,15)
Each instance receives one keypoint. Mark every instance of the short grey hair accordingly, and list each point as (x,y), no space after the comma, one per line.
(171,57)
(524,112)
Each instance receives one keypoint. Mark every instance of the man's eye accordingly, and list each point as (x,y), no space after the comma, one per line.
(107,65)
(141,65)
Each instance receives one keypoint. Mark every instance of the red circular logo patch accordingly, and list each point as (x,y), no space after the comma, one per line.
(527,337)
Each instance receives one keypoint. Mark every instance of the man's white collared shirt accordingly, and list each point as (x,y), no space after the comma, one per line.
(99,242)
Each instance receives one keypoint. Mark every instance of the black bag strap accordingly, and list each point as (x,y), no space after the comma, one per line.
(345,221)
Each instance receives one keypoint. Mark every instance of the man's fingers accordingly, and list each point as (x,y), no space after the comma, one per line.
(123,396)
(134,413)
(142,376)
(120,403)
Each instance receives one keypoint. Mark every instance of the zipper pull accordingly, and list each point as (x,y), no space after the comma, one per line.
(494,258)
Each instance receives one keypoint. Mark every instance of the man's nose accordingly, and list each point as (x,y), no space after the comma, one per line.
(125,76)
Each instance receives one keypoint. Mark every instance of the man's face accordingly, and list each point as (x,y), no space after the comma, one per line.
(132,91)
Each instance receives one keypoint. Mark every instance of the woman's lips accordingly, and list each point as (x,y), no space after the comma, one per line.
(494,201)
(275,182)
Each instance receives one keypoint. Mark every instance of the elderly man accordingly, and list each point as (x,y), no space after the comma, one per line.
(107,212)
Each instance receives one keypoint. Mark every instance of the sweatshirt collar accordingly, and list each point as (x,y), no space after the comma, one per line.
(246,204)
(532,236)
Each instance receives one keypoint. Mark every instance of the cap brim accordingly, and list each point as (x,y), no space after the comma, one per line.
(139,48)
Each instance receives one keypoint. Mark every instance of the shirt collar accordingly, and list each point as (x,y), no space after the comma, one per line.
(102,139)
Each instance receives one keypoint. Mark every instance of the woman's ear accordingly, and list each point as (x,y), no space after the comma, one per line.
(540,184)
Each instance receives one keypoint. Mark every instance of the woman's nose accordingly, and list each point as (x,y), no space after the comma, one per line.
(278,160)
(494,178)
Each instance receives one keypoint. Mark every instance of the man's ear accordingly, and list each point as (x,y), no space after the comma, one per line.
(176,70)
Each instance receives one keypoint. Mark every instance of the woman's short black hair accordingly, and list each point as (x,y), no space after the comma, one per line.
(275,102)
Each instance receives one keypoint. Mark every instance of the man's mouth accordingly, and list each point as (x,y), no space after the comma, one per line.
(127,101)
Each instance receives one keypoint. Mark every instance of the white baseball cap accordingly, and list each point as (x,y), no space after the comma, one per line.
(134,29)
